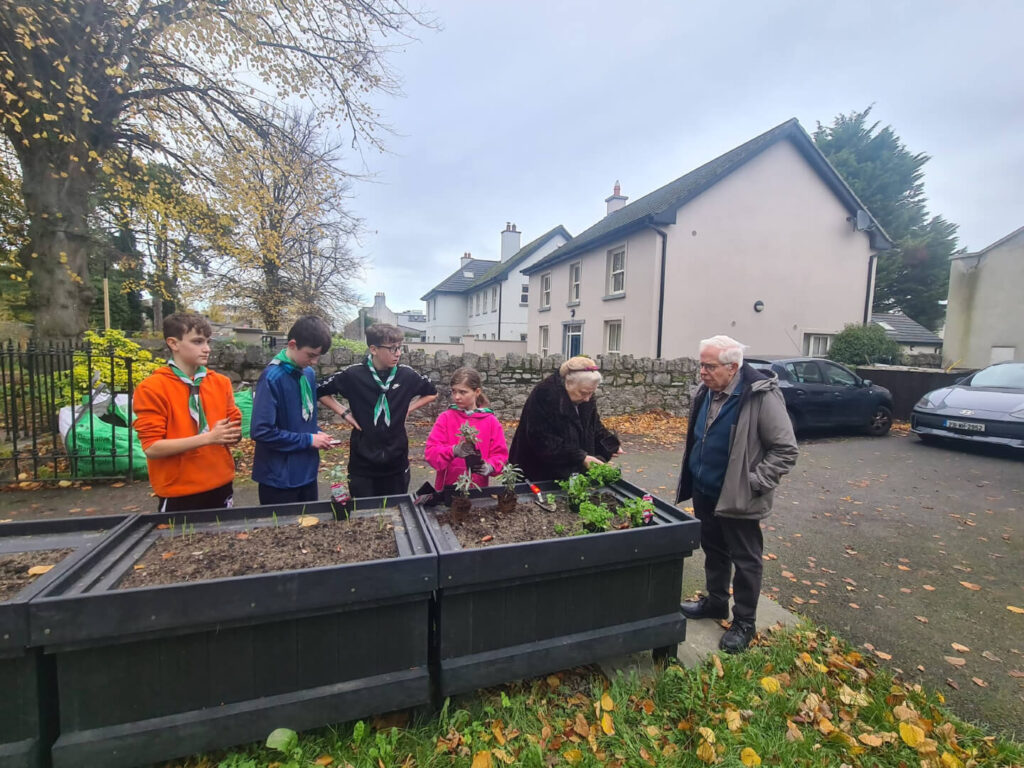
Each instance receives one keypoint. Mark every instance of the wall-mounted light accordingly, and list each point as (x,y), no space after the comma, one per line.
(759,306)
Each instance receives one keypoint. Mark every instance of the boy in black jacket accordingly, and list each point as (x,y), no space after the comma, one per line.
(380,394)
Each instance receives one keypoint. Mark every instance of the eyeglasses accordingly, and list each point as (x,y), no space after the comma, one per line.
(710,367)
(394,350)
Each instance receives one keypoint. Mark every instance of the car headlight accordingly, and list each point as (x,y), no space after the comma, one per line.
(1018,413)
(927,402)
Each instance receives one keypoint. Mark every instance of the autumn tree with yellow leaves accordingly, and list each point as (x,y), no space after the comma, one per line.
(84,81)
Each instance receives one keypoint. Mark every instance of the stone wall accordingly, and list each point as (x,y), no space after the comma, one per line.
(630,385)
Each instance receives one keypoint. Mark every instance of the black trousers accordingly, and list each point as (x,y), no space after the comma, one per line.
(730,543)
(271,495)
(216,498)
(361,486)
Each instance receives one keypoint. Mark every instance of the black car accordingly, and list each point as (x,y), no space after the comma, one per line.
(821,394)
(985,407)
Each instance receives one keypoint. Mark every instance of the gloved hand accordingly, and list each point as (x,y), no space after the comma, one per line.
(485,469)
(462,449)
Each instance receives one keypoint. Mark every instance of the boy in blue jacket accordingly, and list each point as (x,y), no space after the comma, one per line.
(284,428)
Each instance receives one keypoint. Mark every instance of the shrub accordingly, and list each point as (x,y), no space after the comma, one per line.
(358,347)
(864,345)
(110,352)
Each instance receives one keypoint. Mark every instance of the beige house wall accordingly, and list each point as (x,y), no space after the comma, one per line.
(771,231)
(986,308)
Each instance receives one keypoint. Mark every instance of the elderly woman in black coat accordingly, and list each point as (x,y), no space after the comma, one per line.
(559,431)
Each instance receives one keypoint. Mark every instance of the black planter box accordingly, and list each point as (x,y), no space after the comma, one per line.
(27,702)
(154,673)
(511,611)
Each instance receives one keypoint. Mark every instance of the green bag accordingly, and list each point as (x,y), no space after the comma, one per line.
(100,449)
(243,400)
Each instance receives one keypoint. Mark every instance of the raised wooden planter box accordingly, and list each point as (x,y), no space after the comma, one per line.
(153,673)
(519,610)
(28,701)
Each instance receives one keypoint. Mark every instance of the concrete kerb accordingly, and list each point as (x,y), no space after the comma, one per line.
(701,641)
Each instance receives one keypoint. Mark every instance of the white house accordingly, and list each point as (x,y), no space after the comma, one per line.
(913,338)
(412,321)
(765,243)
(985,311)
(489,299)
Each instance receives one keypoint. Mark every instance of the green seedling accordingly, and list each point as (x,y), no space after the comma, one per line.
(510,475)
(577,489)
(596,517)
(469,433)
(603,474)
(464,484)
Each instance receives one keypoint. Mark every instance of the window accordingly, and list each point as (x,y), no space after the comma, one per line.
(613,336)
(839,377)
(522,337)
(469,307)
(805,372)
(494,298)
(575,270)
(455,339)
(817,344)
(616,271)
(492,337)
(542,340)
(573,342)
(478,304)
(485,301)
(545,290)
(524,296)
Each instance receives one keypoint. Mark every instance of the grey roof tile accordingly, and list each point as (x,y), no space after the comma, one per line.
(904,330)
(458,281)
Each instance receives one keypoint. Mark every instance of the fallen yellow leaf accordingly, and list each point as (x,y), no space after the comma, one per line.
(733,720)
(573,756)
(979,682)
(970,586)
(39,570)
(871,739)
(960,648)
(911,734)
(770,684)
(853,698)
(707,734)
(749,757)
(499,735)
(793,732)
(949,760)
(825,725)
(956,661)
(307,520)
(504,756)
(648,706)
(706,752)
(483,759)
(718,666)
(607,725)
(1013,609)
(606,702)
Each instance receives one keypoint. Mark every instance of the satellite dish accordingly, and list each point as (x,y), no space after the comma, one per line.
(863,220)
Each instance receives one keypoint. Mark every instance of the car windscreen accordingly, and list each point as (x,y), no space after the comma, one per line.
(1002,376)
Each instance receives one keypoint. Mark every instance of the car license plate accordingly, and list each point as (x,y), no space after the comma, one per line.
(968,426)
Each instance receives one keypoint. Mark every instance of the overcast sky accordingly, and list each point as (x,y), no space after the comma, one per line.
(528,111)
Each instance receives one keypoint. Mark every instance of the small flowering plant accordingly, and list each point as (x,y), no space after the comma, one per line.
(510,475)
(469,433)
(464,484)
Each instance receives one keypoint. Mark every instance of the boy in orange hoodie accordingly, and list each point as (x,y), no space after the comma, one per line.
(187,421)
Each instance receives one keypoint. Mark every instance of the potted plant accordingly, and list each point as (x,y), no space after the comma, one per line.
(338,479)
(461,502)
(509,477)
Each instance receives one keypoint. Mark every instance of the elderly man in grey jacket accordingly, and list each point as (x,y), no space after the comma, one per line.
(739,443)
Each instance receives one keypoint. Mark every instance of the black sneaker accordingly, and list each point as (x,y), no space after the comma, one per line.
(738,636)
(704,609)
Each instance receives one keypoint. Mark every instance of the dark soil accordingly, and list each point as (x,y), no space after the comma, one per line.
(14,575)
(176,559)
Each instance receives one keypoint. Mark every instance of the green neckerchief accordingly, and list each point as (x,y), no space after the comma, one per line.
(282,359)
(382,401)
(195,405)
(471,410)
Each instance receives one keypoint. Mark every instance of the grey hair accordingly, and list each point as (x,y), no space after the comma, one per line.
(575,378)
(729,350)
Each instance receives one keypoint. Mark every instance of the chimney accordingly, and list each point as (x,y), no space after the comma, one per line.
(378,303)
(510,238)
(466,258)
(617,200)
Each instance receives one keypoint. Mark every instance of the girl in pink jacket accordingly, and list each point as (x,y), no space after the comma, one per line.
(450,453)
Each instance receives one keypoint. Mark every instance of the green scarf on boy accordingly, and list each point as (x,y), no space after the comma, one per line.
(382,406)
(195,405)
(282,359)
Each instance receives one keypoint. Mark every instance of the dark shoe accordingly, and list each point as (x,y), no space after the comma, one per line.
(738,637)
(704,609)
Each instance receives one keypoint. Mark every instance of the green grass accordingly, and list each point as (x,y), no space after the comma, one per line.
(803,698)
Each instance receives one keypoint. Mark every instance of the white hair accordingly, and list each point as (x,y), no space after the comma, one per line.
(729,350)
(576,378)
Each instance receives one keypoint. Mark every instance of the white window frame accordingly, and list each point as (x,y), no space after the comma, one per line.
(566,333)
(477,304)
(611,274)
(524,294)
(484,293)
(575,279)
(469,306)
(545,291)
(494,298)
(608,326)
(813,344)
(543,338)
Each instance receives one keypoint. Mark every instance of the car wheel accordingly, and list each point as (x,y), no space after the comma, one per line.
(881,422)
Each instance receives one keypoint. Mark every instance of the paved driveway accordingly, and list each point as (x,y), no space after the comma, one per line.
(873,537)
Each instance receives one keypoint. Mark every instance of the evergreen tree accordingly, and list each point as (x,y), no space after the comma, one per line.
(889,179)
